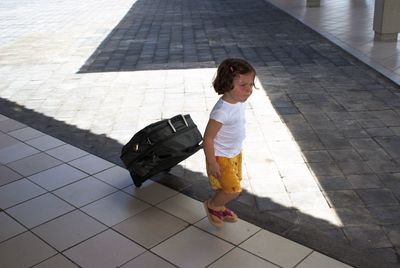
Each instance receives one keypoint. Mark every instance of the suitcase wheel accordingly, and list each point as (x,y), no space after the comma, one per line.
(137,184)
(135,181)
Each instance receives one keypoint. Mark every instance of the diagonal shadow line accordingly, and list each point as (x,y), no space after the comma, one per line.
(313,85)
(197,187)
(194,34)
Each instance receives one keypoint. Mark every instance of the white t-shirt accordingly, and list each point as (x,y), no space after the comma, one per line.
(229,139)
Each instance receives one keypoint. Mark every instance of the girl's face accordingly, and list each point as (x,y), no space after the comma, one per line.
(242,88)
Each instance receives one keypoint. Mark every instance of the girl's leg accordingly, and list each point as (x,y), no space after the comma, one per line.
(220,199)
(230,180)
(217,212)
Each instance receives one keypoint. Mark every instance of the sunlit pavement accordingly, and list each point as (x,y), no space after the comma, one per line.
(320,155)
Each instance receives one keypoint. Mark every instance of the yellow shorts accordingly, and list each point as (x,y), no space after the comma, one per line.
(231,174)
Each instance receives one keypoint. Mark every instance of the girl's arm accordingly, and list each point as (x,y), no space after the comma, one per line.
(208,146)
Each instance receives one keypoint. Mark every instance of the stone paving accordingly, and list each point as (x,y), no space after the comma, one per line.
(323,147)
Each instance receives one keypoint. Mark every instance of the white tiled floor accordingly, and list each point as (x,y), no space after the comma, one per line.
(78,210)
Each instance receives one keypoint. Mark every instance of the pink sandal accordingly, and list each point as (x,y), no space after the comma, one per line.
(218,220)
(229,215)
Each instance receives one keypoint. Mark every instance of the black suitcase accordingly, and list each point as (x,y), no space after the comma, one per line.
(160,146)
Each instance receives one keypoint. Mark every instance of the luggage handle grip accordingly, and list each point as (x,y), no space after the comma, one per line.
(172,126)
(184,120)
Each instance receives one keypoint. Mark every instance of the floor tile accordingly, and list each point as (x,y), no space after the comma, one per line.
(148,260)
(192,248)
(324,216)
(343,198)
(278,250)
(69,230)
(367,236)
(263,186)
(24,250)
(58,261)
(317,260)
(6,140)
(26,133)
(45,142)
(9,227)
(108,249)
(33,164)
(66,152)
(300,184)
(91,164)
(17,192)
(308,199)
(115,208)
(238,258)
(235,232)
(2,117)
(386,215)
(85,191)
(7,175)
(57,177)
(151,192)
(116,176)
(145,229)
(365,181)
(184,207)
(9,125)
(39,210)
(377,197)
(16,152)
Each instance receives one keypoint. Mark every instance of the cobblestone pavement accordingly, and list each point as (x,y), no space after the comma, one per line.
(322,150)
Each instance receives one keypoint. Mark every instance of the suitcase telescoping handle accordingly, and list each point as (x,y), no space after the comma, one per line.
(172,126)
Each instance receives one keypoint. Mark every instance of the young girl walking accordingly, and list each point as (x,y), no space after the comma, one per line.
(224,136)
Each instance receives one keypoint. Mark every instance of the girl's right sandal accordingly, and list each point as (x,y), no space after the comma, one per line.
(215,217)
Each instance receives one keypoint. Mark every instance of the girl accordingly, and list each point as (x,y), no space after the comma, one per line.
(224,136)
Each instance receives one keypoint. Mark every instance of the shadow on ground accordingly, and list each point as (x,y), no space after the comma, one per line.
(176,34)
(198,188)
(342,114)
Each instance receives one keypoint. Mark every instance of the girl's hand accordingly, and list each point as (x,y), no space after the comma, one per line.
(213,170)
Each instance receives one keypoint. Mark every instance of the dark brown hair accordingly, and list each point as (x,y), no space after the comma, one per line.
(227,71)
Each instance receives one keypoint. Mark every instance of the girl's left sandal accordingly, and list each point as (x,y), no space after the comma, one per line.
(229,215)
